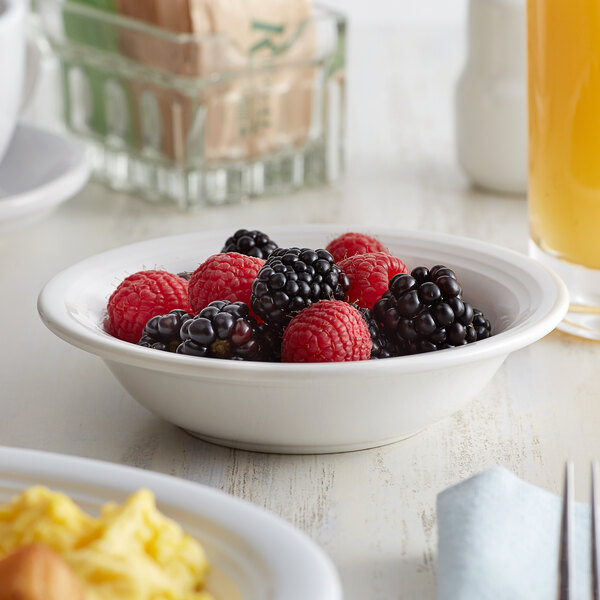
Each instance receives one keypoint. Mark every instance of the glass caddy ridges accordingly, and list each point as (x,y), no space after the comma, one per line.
(199,119)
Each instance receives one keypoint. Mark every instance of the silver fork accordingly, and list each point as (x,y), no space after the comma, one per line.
(566,588)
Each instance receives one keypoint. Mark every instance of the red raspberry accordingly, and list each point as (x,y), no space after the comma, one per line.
(141,296)
(369,276)
(353,243)
(327,331)
(226,276)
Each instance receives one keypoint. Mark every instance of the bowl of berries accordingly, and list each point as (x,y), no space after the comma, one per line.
(307,339)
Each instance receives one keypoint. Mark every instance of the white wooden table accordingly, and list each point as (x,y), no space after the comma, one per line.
(372,511)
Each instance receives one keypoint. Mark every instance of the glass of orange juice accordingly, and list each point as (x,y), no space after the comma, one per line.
(564,150)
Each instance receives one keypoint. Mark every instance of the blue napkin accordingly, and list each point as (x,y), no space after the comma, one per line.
(499,539)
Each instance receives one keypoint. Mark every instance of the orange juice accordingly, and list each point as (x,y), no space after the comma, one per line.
(564,128)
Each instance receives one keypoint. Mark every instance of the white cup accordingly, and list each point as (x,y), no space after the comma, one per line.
(12,67)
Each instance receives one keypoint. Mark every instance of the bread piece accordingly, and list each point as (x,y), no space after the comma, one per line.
(37,573)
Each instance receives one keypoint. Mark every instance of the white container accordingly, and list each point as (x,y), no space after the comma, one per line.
(491,97)
(12,67)
(311,407)
(254,555)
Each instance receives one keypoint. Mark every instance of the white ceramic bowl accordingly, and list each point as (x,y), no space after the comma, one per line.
(310,408)
(254,555)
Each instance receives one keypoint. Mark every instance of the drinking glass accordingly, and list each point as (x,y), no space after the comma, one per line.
(564,150)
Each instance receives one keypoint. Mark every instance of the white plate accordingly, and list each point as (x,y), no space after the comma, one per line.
(40,171)
(255,555)
(303,408)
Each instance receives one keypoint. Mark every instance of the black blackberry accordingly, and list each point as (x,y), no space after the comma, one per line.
(483,327)
(224,329)
(292,279)
(381,345)
(251,243)
(186,275)
(162,331)
(271,339)
(425,311)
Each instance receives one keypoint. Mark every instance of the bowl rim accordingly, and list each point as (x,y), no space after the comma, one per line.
(286,552)
(54,313)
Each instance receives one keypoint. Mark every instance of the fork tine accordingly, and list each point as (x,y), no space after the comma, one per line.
(595,532)
(566,537)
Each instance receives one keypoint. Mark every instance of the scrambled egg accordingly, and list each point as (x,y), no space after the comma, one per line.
(131,552)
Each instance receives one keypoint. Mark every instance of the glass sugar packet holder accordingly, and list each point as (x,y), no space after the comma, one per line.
(199,119)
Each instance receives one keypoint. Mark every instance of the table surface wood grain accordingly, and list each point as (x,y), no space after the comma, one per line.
(372,511)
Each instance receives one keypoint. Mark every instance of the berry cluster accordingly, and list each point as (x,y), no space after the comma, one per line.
(251,243)
(292,279)
(255,301)
(425,311)
(224,330)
